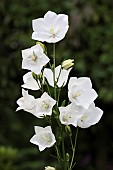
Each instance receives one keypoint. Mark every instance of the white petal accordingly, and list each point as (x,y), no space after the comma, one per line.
(39,25)
(38,129)
(57,71)
(91,116)
(50,18)
(37,48)
(27,52)
(86,98)
(41,36)
(30,82)
(61,22)
(72,82)
(63,77)
(84,81)
(49,76)
(48,129)
(70,114)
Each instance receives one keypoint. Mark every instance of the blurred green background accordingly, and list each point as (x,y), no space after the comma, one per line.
(90,42)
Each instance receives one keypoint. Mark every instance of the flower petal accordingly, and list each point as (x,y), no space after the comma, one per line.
(49,76)
(30,82)
(91,116)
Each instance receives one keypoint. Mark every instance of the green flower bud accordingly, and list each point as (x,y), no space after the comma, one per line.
(67,157)
(34,75)
(68,130)
(43,46)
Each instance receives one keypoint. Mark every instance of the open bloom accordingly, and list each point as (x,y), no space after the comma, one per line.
(30,82)
(90,116)
(44,137)
(61,76)
(81,92)
(70,114)
(44,105)
(34,59)
(26,102)
(52,28)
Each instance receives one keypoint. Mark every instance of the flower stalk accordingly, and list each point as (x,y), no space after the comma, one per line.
(59,117)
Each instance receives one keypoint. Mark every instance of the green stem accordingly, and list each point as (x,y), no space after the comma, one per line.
(73,154)
(63,152)
(58,154)
(48,88)
(54,71)
(71,142)
(58,95)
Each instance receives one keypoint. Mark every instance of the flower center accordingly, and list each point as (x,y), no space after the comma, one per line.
(77,94)
(34,58)
(66,118)
(83,117)
(52,32)
(46,139)
(45,105)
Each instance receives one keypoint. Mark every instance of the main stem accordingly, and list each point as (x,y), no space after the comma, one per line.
(73,154)
(64,156)
(54,70)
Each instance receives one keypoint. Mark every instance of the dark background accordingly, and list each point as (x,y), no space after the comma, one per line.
(90,42)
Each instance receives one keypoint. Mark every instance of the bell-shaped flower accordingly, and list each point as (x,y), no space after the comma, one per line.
(44,105)
(43,137)
(26,102)
(30,82)
(52,28)
(70,114)
(34,59)
(61,76)
(91,116)
(80,91)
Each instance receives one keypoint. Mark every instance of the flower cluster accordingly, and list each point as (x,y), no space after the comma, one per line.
(80,111)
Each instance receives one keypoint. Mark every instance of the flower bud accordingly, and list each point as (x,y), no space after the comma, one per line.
(67,157)
(67,64)
(68,130)
(34,75)
(49,168)
(43,46)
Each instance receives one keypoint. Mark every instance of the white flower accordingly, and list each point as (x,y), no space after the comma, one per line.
(81,92)
(70,114)
(44,105)
(30,82)
(44,137)
(34,59)
(91,116)
(49,168)
(26,102)
(52,28)
(61,76)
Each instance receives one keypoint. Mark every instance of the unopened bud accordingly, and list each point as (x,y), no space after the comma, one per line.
(67,64)
(68,129)
(49,168)
(67,157)
(34,75)
(43,46)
